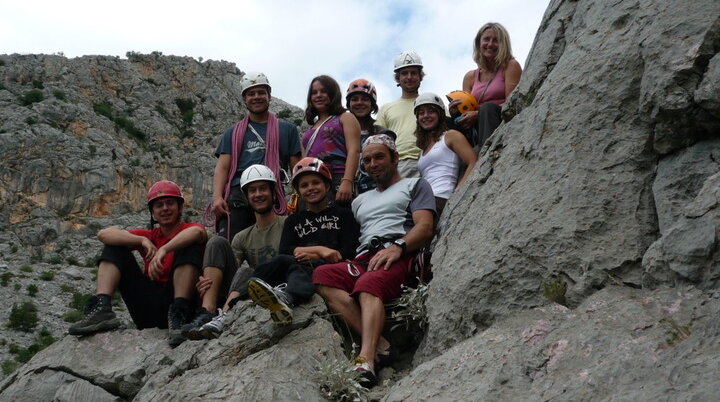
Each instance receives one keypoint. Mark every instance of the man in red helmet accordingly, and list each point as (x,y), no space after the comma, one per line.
(158,296)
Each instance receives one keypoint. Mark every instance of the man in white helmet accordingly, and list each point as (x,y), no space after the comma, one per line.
(259,138)
(255,244)
(399,115)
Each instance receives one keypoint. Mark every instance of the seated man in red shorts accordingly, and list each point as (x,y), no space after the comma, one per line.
(396,220)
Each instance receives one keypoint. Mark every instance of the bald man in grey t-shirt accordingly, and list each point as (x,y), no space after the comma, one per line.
(396,220)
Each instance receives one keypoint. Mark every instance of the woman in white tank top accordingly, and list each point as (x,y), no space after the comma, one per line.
(442,150)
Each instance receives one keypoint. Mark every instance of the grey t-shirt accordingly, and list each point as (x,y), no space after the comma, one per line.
(388,213)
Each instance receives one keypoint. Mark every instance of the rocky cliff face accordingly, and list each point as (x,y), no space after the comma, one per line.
(81,140)
(601,192)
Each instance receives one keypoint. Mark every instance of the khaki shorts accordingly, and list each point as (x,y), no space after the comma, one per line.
(408,168)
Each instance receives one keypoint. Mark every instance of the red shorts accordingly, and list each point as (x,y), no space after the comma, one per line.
(353,278)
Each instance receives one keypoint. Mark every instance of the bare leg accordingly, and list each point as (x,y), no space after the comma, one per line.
(339,301)
(184,279)
(234,294)
(108,278)
(209,301)
(373,319)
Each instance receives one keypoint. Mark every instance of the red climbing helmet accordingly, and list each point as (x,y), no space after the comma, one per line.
(164,188)
(309,164)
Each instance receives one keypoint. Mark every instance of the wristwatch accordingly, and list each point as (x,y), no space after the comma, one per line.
(400,243)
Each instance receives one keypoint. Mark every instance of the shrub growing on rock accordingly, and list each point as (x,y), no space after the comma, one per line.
(5,278)
(47,276)
(339,381)
(59,95)
(104,109)
(8,366)
(23,317)
(55,259)
(31,96)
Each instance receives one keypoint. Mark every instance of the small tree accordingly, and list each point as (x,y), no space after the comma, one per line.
(23,317)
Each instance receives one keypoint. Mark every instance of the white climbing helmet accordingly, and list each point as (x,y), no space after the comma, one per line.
(256,173)
(429,98)
(407,59)
(253,79)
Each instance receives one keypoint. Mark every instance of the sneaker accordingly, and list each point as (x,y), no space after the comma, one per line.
(98,317)
(274,299)
(191,330)
(177,316)
(367,375)
(214,328)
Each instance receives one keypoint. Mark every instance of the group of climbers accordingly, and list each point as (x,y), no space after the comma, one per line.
(370,192)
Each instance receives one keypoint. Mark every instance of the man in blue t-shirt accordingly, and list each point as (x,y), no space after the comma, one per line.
(252,150)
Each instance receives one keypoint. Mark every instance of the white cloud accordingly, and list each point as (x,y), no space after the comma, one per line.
(291,41)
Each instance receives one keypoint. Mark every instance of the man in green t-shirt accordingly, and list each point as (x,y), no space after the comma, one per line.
(255,245)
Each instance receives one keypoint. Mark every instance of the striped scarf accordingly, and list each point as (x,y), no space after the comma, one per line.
(272,157)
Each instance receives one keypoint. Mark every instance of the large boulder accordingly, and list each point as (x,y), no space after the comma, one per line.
(619,344)
(564,191)
(253,360)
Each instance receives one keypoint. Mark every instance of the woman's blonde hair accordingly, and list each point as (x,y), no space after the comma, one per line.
(504,54)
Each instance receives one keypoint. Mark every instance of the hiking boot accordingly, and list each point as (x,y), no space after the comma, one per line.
(177,316)
(98,317)
(367,375)
(191,330)
(214,328)
(274,299)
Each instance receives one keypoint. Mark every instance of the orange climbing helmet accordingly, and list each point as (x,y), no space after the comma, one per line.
(307,165)
(164,188)
(361,85)
(467,101)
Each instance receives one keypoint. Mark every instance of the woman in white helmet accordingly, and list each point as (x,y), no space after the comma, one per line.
(442,150)
(334,137)
(498,73)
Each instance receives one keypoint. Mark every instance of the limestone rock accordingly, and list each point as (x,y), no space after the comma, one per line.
(619,344)
(686,251)
(564,190)
(679,178)
(253,360)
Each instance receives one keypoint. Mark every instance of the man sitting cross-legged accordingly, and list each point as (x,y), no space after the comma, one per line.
(319,235)
(255,244)
(159,296)
(396,220)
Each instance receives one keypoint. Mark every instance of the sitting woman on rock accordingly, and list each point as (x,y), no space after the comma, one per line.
(334,137)
(442,149)
(498,73)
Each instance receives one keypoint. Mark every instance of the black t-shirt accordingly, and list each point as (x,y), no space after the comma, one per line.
(334,227)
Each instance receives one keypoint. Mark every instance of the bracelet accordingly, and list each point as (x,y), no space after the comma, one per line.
(350,180)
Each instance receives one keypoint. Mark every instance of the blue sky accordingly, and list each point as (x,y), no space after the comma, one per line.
(291,41)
